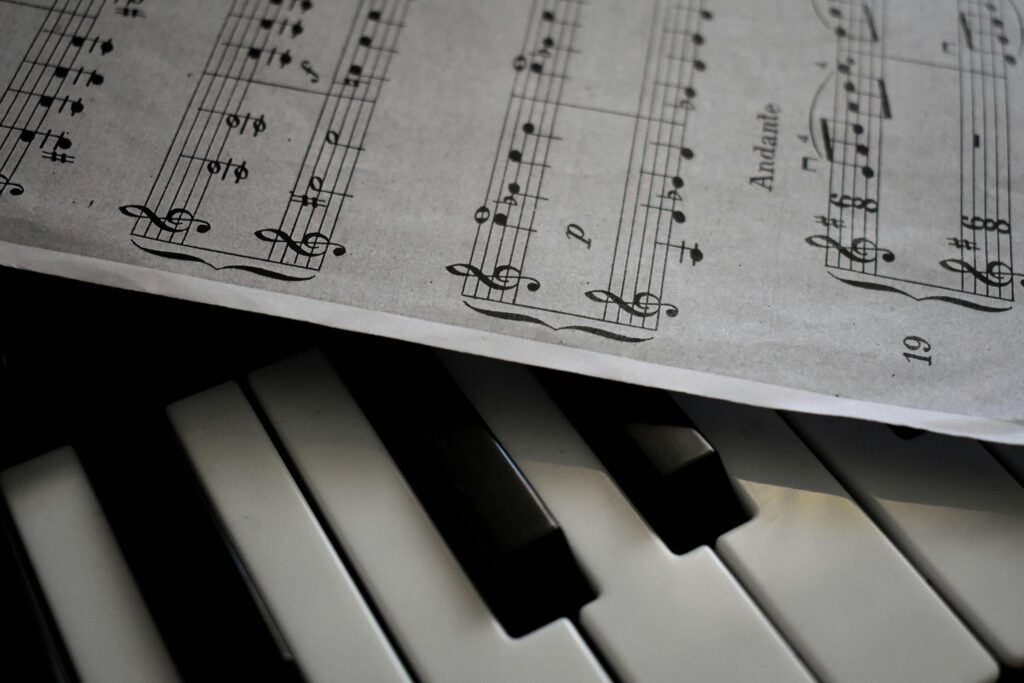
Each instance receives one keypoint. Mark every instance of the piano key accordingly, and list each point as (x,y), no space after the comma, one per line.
(101,616)
(32,647)
(1012,458)
(199,599)
(950,507)
(443,625)
(664,465)
(658,616)
(509,544)
(839,591)
(308,591)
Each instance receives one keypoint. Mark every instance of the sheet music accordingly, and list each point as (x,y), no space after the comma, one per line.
(805,204)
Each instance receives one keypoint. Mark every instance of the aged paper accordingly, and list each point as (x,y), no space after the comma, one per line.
(801,203)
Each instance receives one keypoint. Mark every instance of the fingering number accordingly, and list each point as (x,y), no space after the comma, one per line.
(917,344)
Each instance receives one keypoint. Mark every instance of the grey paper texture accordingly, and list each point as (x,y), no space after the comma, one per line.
(805,204)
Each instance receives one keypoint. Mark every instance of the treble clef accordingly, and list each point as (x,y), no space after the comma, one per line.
(861,249)
(311,244)
(16,188)
(176,220)
(996,273)
(503,278)
(644,304)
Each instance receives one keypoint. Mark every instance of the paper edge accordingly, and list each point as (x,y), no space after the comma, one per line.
(495,345)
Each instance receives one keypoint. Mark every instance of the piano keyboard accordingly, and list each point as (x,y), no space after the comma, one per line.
(367,510)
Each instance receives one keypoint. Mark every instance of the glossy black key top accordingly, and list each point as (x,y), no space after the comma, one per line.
(192,583)
(505,538)
(665,466)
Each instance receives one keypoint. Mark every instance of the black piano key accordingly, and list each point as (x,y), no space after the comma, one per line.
(502,534)
(672,475)
(32,646)
(191,581)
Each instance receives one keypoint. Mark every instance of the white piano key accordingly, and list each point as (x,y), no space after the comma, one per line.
(102,618)
(837,588)
(950,507)
(658,616)
(444,627)
(307,589)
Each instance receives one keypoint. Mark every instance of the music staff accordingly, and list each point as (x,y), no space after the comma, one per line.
(984,49)
(261,48)
(851,138)
(45,83)
(654,195)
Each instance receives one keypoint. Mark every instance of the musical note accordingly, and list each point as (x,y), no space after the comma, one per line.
(177,220)
(861,249)
(296,27)
(510,198)
(312,243)
(304,5)
(283,58)
(996,273)
(643,304)
(105,46)
(239,171)
(60,141)
(91,77)
(48,101)
(502,279)
(233,121)
(130,9)
(306,200)
(696,255)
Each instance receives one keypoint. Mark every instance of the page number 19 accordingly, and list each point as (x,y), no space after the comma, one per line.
(918,349)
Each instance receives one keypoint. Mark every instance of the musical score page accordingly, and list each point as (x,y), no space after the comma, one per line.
(804,204)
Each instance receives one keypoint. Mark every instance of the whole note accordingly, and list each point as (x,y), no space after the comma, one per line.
(259,125)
